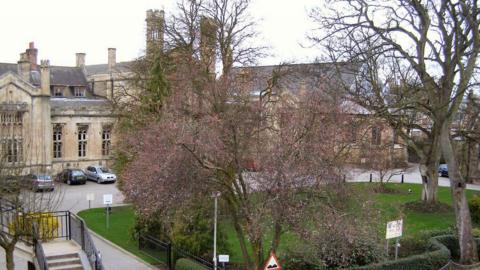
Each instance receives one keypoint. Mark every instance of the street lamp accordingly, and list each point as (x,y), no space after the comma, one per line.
(215,196)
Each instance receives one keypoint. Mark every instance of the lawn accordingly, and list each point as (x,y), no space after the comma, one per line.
(122,220)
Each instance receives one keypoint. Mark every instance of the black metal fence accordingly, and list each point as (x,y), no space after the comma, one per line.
(80,234)
(37,245)
(167,254)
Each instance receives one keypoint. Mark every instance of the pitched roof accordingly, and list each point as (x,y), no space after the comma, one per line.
(59,75)
(103,68)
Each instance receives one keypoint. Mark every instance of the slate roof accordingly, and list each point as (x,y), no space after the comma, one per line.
(297,77)
(59,75)
(63,103)
(103,68)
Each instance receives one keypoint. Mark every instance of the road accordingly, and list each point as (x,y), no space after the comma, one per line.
(74,199)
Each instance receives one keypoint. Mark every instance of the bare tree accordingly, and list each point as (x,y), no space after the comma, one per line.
(438,41)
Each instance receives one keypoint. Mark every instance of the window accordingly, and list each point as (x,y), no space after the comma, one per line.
(11,132)
(82,141)
(57,142)
(352,134)
(79,91)
(13,150)
(376,136)
(106,141)
(58,92)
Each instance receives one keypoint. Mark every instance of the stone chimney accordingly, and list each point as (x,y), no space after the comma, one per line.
(155,30)
(208,39)
(80,57)
(45,77)
(23,67)
(32,54)
(112,58)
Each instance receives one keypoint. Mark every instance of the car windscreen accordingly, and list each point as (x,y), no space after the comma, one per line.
(104,170)
(77,173)
(44,177)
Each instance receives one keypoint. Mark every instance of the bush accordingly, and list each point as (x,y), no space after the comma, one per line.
(474,205)
(187,264)
(23,225)
(300,258)
(437,256)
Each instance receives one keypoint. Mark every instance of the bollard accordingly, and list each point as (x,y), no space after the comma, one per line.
(370,178)
(402,178)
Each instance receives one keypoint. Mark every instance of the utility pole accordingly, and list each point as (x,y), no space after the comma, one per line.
(215,196)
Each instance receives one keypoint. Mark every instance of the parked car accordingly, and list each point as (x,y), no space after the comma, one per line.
(72,176)
(40,182)
(100,174)
(443,170)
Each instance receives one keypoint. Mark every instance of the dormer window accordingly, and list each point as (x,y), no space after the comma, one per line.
(79,91)
(57,91)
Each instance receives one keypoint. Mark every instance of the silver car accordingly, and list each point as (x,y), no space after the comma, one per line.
(100,174)
(40,182)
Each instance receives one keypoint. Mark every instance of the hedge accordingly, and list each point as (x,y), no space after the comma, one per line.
(436,257)
(186,264)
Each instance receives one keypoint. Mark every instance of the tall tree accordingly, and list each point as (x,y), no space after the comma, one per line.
(439,42)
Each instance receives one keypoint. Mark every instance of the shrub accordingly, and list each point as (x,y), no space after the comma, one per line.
(187,264)
(474,205)
(300,258)
(23,225)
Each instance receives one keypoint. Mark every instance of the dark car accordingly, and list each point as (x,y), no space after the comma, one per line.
(40,182)
(443,170)
(72,176)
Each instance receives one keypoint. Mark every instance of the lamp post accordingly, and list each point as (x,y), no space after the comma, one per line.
(215,196)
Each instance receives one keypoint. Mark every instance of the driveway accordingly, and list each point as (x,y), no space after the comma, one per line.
(411,175)
(74,199)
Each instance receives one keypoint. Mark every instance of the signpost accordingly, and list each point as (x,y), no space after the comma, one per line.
(394,230)
(223,259)
(107,200)
(272,263)
(90,198)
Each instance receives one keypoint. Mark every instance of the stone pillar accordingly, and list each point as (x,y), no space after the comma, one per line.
(45,77)
(155,30)
(208,39)
(112,58)
(23,67)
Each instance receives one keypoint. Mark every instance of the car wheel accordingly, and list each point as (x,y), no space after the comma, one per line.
(69,182)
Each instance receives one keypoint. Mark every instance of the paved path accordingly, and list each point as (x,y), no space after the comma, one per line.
(74,199)
(411,175)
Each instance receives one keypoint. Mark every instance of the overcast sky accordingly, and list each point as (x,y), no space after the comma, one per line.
(61,28)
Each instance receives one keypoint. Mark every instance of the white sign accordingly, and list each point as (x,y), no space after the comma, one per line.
(223,258)
(394,229)
(272,263)
(90,197)
(107,198)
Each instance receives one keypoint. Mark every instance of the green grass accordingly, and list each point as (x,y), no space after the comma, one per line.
(122,220)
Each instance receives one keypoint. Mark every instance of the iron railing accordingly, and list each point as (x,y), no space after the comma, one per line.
(39,253)
(167,254)
(81,235)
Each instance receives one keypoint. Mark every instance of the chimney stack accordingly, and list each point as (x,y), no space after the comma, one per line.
(112,58)
(32,54)
(45,77)
(23,67)
(80,60)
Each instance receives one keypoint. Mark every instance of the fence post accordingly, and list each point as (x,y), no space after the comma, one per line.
(370,178)
(402,178)
(82,231)
(169,257)
(69,225)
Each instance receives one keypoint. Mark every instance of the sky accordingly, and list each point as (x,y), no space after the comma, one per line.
(61,28)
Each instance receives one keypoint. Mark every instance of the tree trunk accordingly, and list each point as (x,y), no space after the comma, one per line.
(468,247)
(430,175)
(9,257)
(277,233)
(241,241)
(257,254)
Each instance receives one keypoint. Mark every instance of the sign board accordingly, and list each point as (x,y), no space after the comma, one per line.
(90,197)
(107,198)
(272,263)
(223,258)
(394,229)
